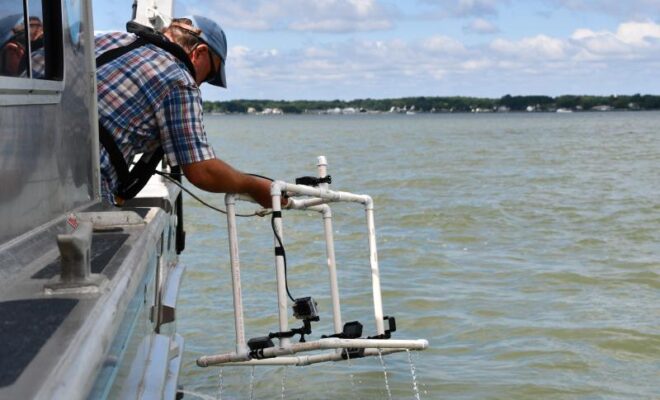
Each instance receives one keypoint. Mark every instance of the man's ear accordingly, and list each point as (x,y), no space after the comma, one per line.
(201,50)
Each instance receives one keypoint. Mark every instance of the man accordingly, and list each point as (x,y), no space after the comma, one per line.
(149,97)
(37,48)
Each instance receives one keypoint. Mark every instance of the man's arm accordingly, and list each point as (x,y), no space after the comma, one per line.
(217,176)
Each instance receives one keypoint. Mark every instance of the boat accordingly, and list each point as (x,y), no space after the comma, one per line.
(88,292)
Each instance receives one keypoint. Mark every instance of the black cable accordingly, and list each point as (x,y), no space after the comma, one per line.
(279,241)
(284,194)
(169,177)
(262,177)
(272,220)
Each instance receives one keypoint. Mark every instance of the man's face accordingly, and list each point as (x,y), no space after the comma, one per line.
(36,30)
(207,64)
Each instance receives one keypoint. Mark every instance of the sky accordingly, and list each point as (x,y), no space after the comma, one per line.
(356,49)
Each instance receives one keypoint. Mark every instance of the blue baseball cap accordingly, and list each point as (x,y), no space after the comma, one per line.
(213,35)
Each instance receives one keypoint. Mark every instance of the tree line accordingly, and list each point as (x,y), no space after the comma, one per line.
(443,104)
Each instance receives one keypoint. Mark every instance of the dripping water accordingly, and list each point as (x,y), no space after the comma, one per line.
(387,383)
(414,375)
(252,383)
(284,381)
(220,385)
(350,369)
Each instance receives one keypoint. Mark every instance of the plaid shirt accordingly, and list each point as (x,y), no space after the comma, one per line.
(148,98)
(39,64)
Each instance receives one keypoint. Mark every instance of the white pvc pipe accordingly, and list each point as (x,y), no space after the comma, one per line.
(329,195)
(310,359)
(239,325)
(373,261)
(302,204)
(336,343)
(322,166)
(332,269)
(279,267)
(206,361)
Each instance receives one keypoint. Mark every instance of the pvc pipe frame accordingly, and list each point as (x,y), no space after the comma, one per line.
(273,354)
(318,202)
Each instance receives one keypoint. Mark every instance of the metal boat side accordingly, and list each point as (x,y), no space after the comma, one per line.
(112,333)
(48,128)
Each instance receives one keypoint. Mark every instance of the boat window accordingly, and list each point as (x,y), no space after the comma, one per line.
(31,39)
(14,48)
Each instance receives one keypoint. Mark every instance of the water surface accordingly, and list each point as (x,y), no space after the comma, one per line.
(524,247)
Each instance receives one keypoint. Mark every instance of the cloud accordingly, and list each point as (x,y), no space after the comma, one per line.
(632,40)
(340,16)
(628,9)
(539,47)
(371,67)
(443,44)
(476,7)
(481,26)
(299,15)
(347,64)
(462,8)
(340,25)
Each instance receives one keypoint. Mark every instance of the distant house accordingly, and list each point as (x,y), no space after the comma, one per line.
(272,111)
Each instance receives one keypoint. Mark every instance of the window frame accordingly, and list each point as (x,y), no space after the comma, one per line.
(32,91)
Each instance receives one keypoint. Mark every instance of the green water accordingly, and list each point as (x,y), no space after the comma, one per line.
(524,247)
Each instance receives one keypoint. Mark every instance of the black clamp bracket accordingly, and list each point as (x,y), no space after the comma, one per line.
(313,181)
(352,330)
(257,346)
(306,329)
(388,332)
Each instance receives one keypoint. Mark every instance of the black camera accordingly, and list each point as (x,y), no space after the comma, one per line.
(305,309)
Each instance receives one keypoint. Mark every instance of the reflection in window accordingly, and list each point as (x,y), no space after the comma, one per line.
(31,39)
(35,21)
(13,39)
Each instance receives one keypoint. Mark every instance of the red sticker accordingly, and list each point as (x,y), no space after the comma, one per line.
(72,221)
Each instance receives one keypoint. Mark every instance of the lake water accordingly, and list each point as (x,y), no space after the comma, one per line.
(524,247)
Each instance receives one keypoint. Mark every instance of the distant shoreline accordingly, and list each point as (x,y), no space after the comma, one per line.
(439,105)
(384,113)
